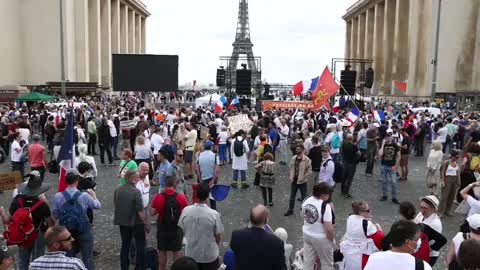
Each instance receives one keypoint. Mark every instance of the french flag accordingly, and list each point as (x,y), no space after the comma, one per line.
(303,87)
(378,115)
(353,115)
(67,153)
(341,103)
(234,103)
(220,104)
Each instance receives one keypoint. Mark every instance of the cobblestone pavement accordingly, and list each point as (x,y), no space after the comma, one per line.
(235,210)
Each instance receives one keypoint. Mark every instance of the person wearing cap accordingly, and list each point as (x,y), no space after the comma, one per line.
(390,158)
(207,168)
(37,156)
(372,146)
(428,217)
(453,250)
(30,194)
(83,241)
(203,230)
(7,255)
(59,242)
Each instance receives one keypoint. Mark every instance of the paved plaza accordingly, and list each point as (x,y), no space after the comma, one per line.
(235,210)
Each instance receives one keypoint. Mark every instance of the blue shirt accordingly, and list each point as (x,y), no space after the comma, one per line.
(85,200)
(274,136)
(164,169)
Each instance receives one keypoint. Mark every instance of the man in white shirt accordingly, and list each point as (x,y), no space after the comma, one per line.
(283,131)
(114,135)
(157,142)
(442,134)
(16,154)
(405,240)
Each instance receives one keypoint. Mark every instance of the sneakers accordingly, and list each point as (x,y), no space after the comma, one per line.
(288,213)
(97,253)
(347,196)
(234,184)
(245,185)
(383,198)
(270,204)
(395,201)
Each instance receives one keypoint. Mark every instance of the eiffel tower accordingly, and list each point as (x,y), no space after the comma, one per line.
(243,45)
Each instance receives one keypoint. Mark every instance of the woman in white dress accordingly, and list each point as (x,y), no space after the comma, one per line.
(357,242)
(434,162)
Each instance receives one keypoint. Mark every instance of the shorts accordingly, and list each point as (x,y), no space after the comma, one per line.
(169,241)
(404,160)
(188,158)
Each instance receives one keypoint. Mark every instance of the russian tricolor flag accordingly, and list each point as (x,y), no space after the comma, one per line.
(67,153)
(303,87)
(378,115)
(234,103)
(220,104)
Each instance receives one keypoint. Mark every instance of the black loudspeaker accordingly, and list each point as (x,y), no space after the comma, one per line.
(245,103)
(369,77)
(348,80)
(244,82)
(221,74)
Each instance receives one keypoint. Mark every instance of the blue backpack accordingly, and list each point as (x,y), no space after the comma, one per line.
(336,141)
(72,215)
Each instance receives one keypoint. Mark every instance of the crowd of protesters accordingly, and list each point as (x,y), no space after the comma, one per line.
(165,148)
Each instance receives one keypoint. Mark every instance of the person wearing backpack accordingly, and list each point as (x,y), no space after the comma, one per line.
(28,207)
(169,206)
(70,210)
(318,230)
(239,150)
(459,238)
(334,140)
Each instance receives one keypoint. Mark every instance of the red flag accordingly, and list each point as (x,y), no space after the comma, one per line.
(401,86)
(326,88)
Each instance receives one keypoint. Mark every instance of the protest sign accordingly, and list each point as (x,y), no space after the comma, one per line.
(239,122)
(8,181)
(125,124)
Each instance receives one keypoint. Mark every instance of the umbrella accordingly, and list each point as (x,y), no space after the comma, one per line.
(35,96)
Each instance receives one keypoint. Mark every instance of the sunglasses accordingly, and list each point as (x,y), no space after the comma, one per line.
(70,238)
(180,155)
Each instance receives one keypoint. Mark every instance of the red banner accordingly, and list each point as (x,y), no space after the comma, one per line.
(306,105)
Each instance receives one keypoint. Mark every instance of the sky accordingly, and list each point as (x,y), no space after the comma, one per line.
(295,39)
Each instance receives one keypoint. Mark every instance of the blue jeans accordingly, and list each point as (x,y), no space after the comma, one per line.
(25,255)
(84,244)
(243,175)
(335,157)
(114,147)
(222,152)
(388,172)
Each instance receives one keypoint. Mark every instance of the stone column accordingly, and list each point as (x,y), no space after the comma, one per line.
(106,37)
(116,29)
(144,44)
(400,48)
(369,22)
(348,40)
(378,66)
(94,40)
(82,44)
(131,31)
(388,43)
(361,36)
(123,29)
(353,39)
(138,31)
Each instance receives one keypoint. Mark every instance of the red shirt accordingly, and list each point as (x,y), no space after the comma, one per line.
(35,155)
(159,202)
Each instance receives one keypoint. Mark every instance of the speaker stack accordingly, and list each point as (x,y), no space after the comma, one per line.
(221,74)
(348,80)
(244,82)
(369,76)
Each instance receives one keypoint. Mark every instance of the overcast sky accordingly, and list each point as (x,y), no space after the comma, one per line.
(295,39)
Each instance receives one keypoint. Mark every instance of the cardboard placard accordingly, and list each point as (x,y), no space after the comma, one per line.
(9,181)
(128,124)
(237,122)
(204,133)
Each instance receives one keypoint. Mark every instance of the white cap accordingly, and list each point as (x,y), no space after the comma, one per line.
(432,199)
(376,125)
(474,221)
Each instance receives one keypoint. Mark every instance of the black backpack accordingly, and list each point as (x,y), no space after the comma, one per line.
(238,148)
(322,211)
(171,212)
(338,176)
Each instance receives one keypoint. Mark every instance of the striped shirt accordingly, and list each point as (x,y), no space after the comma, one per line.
(57,261)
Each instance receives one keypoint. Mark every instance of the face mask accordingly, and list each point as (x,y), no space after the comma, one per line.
(419,243)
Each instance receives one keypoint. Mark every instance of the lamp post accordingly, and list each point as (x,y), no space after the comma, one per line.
(62,53)
(435,59)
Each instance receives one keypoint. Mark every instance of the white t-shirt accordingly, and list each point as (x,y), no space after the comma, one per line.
(14,155)
(144,187)
(442,134)
(24,134)
(222,137)
(312,217)
(170,118)
(474,206)
(157,142)
(355,228)
(218,124)
(393,260)
(434,222)
(112,128)
(285,130)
